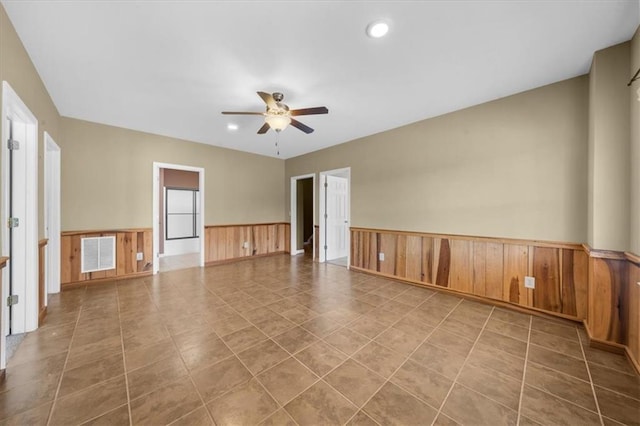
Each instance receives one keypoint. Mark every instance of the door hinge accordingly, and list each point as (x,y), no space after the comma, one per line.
(325,247)
(326,185)
(13,145)
(326,216)
(12,300)
(13,222)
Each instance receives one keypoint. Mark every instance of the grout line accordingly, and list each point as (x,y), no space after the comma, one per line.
(524,372)
(66,360)
(464,363)
(593,389)
(124,358)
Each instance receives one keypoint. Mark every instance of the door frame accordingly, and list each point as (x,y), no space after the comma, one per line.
(15,109)
(52,213)
(293,212)
(156,210)
(323,209)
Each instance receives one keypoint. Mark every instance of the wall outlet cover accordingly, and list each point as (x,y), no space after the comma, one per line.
(529,282)
(381,256)
(139,256)
(245,244)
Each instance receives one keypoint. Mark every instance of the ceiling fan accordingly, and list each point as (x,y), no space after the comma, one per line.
(278,115)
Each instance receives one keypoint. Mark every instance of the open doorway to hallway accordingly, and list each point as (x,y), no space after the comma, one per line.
(302,208)
(335,213)
(178,219)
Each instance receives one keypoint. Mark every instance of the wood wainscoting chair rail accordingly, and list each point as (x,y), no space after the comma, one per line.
(42,280)
(572,281)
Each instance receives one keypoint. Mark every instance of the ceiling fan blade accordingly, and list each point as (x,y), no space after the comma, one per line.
(303,127)
(268,99)
(263,129)
(242,113)
(309,111)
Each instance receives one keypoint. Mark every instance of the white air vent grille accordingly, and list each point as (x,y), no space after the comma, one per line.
(98,253)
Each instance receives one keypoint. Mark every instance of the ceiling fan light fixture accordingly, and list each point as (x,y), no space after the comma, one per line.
(377,29)
(278,122)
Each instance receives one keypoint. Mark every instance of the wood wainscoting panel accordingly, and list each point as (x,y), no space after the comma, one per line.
(129,243)
(546,270)
(633,329)
(516,267)
(491,268)
(607,299)
(225,243)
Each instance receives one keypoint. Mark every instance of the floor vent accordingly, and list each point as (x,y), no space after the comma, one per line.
(98,254)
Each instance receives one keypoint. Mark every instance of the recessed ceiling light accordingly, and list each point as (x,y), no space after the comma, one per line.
(232,126)
(377,29)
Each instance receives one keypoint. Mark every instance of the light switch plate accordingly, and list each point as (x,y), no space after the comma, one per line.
(381,256)
(139,256)
(529,282)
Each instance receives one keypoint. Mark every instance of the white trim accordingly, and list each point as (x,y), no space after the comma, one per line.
(156,212)
(293,212)
(52,212)
(322,210)
(13,108)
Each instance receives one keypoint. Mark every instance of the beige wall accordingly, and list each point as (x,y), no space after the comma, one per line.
(634,211)
(515,167)
(107,178)
(16,68)
(609,124)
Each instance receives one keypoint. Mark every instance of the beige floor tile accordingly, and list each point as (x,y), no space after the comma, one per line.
(247,404)
(118,416)
(545,408)
(320,358)
(492,384)
(557,361)
(279,418)
(90,374)
(399,341)
(287,379)
(492,358)
(320,404)
(468,407)
(90,402)
(212,351)
(368,327)
(420,381)
(626,384)
(166,404)
(379,359)
(355,382)
(244,338)
(198,417)
(156,375)
(556,343)
(438,359)
(216,380)
(262,356)
(346,340)
(295,339)
(561,385)
(392,405)
(506,344)
(617,406)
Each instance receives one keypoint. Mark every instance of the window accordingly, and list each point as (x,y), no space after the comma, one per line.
(182,213)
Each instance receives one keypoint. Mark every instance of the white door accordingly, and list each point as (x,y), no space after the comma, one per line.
(17,235)
(337,198)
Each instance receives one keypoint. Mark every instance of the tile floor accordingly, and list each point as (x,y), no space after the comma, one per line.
(179,261)
(283,341)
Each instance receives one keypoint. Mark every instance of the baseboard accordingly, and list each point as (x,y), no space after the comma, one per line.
(502,304)
(240,259)
(616,348)
(42,315)
(77,284)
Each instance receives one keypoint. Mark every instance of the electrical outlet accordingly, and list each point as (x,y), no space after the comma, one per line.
(529,282)
(245,245)
(381,256)
(139,256)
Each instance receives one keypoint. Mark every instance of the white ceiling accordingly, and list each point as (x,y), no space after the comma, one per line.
(171,67)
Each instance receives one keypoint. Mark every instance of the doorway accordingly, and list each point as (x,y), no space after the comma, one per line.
(20,212)
(178,217)
(335,216)
(303,197)
(52,213)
